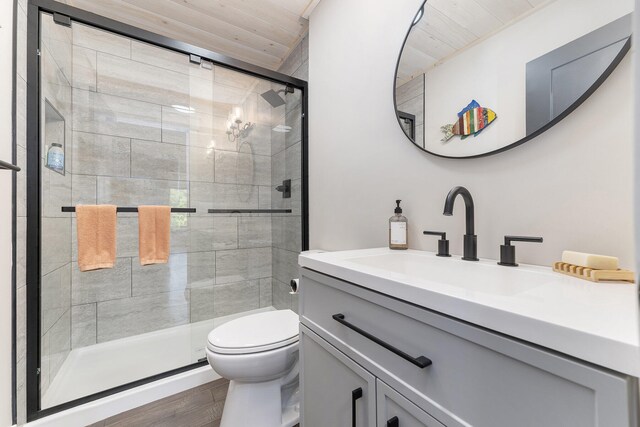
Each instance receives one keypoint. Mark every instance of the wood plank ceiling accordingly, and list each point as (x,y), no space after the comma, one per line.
(449,26)
(261,32)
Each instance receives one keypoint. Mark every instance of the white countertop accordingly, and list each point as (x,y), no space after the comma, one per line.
(595,322)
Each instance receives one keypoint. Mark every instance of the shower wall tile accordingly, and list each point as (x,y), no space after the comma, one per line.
(264,197)
(83,325)
(201,197)
(21,182)
(259,141)
(227,77)
(84,68)
(241,168)
(176,126)
(266,292)
(201,233)
(21,252)
(56,246)
(225,232)
(201,269)
(242,264)
(226,196)
(101,285)
(293,161)
(83,189)
(102,41)
(57,192)
(160,57)
(281,296)
(55,295)
(287,232)
(158,161)
(293,119)
(285,265)
(254,232)
(101,155)
(157,278)
(201,164)
(45,364)
(59,343)
(135,192)
(278,171)
(202,304)
(200,95)
(137,315)
(136,80)
(112,115)
(236,297)
(21,321)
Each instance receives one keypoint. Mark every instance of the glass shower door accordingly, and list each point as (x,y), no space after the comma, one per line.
(129,123)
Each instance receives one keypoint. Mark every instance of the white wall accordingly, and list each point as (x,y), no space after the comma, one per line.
(494,72)
(6,71)
(572,185)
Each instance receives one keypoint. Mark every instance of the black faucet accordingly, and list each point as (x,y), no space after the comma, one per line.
(470,252)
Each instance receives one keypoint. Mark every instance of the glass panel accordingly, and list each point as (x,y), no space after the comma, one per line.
(144,125)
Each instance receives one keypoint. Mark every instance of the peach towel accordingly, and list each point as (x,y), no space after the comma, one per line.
(154,233)
(96,236)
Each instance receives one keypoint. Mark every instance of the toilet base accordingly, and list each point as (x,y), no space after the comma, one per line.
(260,405)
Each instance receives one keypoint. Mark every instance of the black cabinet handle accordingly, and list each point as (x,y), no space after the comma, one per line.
(420,361)
(393,422)
(355,395)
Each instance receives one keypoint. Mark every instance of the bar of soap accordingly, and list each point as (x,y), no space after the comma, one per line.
(597,262)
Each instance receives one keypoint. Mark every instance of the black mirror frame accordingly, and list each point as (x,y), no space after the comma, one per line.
(614,64)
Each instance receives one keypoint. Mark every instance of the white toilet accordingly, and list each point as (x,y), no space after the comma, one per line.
(259,355)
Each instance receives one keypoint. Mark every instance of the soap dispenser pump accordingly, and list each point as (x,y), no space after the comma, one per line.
(398,229)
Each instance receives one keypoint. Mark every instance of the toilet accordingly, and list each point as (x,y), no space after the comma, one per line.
(259,355)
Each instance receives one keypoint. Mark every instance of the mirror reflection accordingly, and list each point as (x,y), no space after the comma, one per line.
(476,77)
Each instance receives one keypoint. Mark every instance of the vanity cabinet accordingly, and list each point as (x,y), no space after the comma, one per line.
(428,369)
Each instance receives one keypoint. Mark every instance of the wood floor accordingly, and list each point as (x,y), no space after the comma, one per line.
(198,407)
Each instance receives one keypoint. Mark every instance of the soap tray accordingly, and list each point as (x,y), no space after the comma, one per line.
(594,275)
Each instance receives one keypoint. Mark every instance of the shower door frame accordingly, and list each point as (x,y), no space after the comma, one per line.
(35,8)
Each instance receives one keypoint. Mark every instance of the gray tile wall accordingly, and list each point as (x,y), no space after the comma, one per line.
(410,99)
(149,128)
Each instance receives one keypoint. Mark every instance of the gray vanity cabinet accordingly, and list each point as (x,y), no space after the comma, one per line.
(477,377)
(394,410)
(341,391)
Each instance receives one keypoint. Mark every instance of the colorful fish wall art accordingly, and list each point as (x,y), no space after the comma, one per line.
(472,120)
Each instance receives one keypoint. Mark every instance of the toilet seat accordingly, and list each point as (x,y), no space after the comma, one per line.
(255,333)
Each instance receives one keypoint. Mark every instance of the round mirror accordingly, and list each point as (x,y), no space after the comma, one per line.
(478,77)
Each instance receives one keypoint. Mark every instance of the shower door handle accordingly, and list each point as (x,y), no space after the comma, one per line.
(285,189)
(355,395)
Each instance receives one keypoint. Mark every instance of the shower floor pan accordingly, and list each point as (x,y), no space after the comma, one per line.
(103,366)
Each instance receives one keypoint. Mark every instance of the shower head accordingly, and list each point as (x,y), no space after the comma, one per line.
(272,97)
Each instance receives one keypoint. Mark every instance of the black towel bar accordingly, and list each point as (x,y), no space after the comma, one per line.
(132,209)
(249,211)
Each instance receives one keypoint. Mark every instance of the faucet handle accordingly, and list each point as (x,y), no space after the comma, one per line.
(508,252)
(443,243)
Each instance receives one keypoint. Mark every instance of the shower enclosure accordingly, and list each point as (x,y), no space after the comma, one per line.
(125,117)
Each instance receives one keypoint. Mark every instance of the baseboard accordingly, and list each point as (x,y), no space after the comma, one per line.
(109,406)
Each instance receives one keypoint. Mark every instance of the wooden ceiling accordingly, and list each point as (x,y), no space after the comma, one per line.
(449,26)
(261,32)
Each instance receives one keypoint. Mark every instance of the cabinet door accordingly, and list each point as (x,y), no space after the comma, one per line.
(394,410)
(335,390)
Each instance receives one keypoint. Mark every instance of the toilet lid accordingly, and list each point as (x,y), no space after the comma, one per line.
(255,333)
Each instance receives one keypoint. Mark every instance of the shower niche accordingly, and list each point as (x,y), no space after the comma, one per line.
(139,122)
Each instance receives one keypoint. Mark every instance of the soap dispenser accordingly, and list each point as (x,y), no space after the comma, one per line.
(398,229)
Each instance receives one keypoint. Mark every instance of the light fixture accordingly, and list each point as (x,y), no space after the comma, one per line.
(183,109)
(282,129)
(235,128)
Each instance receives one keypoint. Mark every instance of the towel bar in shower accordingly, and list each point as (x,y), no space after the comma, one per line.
(132,209)
(249,211)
